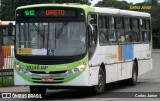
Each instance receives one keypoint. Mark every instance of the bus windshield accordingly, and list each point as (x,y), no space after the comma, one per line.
(51,39)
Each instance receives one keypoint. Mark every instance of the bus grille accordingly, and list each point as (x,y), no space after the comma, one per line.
(56,80)
(51,72)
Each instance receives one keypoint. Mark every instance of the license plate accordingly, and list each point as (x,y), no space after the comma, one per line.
(47,79)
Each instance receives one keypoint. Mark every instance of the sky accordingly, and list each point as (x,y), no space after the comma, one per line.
(129,1)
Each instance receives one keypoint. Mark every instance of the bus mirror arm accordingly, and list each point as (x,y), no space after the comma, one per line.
(91,27)
(12,39)
(10,29)
(92,34)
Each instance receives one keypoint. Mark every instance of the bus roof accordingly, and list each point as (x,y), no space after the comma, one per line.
(5,23)
(106,10)
(116,11)
(56,5)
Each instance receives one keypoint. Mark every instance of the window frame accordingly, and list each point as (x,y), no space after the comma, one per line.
(137,30)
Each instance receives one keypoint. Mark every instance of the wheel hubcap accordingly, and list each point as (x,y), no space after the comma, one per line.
(100,82)
(134,76)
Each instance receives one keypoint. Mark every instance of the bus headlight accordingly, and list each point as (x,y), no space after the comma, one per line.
(76,70)
(81,67)
(21,70)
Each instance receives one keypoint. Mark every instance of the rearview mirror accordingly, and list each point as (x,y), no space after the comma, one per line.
(92,36)
(10,29)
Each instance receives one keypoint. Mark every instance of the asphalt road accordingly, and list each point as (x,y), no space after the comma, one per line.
(148,83)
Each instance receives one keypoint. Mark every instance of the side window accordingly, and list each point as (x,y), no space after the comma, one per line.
(112,36)
(121,36)
(127,22)
(144,36)
(135,30)
(120,29)
(136,36)
(148,26)
(103,34)
(111,22)
(143,30)
(129,36)
(112,31)
(135,23)
(119,22)
(143,24)
(92,33)
(128,30)
(132,33)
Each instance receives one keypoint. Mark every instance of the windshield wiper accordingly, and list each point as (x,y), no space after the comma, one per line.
(61,30)
(37,29)
(39,33)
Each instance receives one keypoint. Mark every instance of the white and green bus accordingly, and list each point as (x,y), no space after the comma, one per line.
(74,45)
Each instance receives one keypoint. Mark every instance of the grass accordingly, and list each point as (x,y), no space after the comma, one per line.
(7,81)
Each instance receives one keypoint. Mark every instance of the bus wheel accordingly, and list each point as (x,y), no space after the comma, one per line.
(99,89)
(133,80)
(38,90)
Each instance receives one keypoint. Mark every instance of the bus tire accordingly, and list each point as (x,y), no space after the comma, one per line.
(133,80)
(38,90)
(99,89)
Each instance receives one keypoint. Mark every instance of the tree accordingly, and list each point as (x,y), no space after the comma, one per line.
(113,3)
(73,1)
(152,2)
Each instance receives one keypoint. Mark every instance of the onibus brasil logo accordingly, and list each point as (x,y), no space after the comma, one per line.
(20,95)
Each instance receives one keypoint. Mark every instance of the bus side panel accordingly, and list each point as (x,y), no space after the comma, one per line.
(94,75)
(140,67)
(111,73)
(110,59)
(19,80)
(128,69)
(147,65)
(125,64)
(125,70)
(143,54)
(82,79)
(94,65)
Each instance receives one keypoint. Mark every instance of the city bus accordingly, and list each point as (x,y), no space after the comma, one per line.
(6,45)
(75,45)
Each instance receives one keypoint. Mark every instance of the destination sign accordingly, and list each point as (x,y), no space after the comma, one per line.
(49,13)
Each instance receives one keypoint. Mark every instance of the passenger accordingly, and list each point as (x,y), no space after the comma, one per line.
(102,37)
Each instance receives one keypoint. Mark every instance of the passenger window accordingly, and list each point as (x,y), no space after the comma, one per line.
(145,36)
(119,23)
(129,36)
(142,23)
(92,34)
(111,22)
(135,23)
(148,24)
(121,36)
(112,31)
(127,23)
(120,29)
(112,36)
(144,30)
(136,36)
(103,34)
